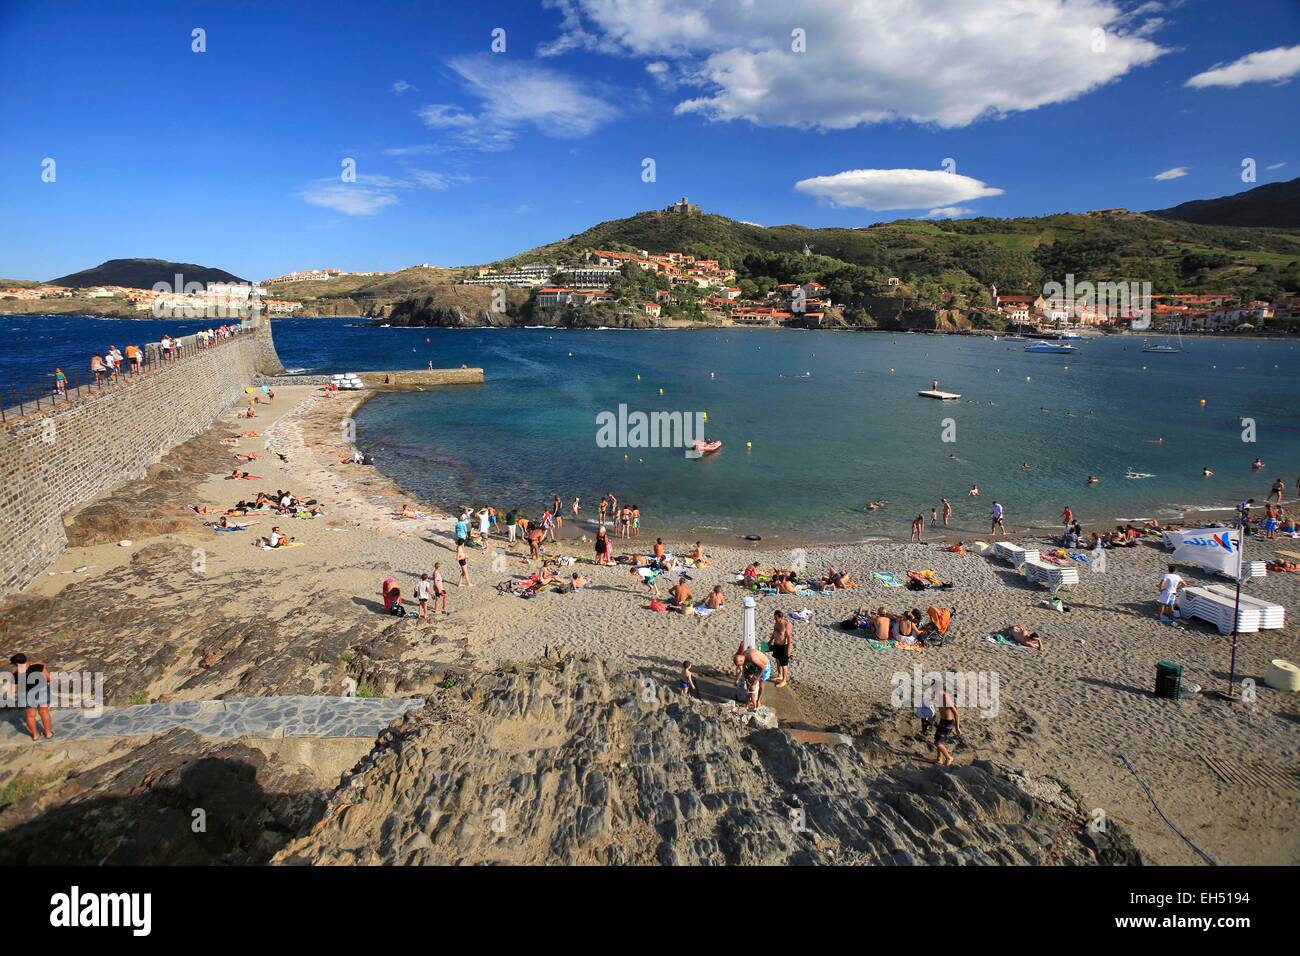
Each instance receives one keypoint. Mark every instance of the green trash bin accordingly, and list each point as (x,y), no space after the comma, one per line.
(1169,680)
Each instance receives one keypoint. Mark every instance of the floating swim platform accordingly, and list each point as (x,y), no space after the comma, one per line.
(939,395)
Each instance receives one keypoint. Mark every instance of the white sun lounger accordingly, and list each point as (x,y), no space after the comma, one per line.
(1014,554)
(1054,577)
(1271,616)
(1216,609)
(1250,569)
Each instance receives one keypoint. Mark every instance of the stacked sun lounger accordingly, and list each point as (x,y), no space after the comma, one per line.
(1053,576)
(1013,554)
(1271,616)
(1215,608)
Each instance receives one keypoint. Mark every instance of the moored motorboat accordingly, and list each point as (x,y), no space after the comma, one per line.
(1052,347)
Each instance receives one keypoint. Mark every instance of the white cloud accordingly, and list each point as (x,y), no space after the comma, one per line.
(352,199)
(949,212)
(514,93)
(1275,166)
(444,116)
(401,86)
(373,192)
(1265,66)
(946,62)
(511,95)
(880,189)
(1178,172)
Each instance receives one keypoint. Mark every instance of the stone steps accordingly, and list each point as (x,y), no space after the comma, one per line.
(271,717)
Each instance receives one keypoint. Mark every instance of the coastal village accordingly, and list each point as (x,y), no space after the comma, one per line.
(626,285)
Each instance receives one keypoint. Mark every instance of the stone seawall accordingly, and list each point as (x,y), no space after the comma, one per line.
(401,379)
(56,461)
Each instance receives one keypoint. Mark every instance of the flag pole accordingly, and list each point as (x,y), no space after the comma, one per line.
(1236,613)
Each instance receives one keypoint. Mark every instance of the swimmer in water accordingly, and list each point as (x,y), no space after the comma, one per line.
(1206,473)
(1257,464)
(1093,479)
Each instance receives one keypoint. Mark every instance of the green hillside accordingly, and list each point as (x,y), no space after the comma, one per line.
(966,256)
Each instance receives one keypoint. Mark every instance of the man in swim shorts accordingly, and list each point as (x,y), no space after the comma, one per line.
(782,643)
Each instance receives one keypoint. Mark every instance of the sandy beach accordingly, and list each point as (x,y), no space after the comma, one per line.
(185,613)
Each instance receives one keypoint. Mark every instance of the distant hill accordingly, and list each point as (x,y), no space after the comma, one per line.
(964,256)
(1275,205)
(143,274)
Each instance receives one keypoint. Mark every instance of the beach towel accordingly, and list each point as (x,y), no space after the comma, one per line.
(767,590)
(999,639)
(291,544)
(1081,557)
(888,578)
(876,645)
(804,615)
(704,611)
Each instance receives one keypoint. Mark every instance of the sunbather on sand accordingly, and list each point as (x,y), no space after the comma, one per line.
(715,600)
(1022,635)
(698,556)
(679,595)
(242,476)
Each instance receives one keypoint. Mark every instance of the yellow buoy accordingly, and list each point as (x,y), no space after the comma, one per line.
(625,457)
(661,391)
(1027,378)
(638,377)
(749,444)
(1202,401)
(891,369)
(706,415)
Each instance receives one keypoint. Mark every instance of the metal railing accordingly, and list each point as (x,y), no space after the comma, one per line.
(24,399)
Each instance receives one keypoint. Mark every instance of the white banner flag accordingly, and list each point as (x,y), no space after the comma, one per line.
(1215,549)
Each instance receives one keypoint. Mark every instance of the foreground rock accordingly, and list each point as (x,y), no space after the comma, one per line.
(570,764)
(179,799)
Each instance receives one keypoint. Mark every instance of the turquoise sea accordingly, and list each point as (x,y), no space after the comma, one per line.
(833,419)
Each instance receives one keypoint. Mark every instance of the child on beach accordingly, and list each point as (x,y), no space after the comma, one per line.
(439,588)
(423,591)
(687,682)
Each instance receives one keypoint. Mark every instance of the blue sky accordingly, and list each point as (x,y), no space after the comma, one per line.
(232,157)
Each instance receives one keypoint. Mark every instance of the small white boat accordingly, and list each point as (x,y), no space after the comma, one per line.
(1055,348)
(1162,349)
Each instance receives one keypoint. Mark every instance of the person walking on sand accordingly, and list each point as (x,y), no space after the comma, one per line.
(999,520)
(512,523)
(557,512)
(32,682)
(439,588)
(782,643)
(1279,488)
(947,511)
(576,507)
(918,523)
(1170,586)
(1067,516)
(423,592)
(462,559)
(687,682)
(947,725)
(485,528)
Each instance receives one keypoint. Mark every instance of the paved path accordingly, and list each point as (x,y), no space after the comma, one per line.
(227,719)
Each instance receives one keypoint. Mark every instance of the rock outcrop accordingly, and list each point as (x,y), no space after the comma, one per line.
(567,763)
(179,799)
